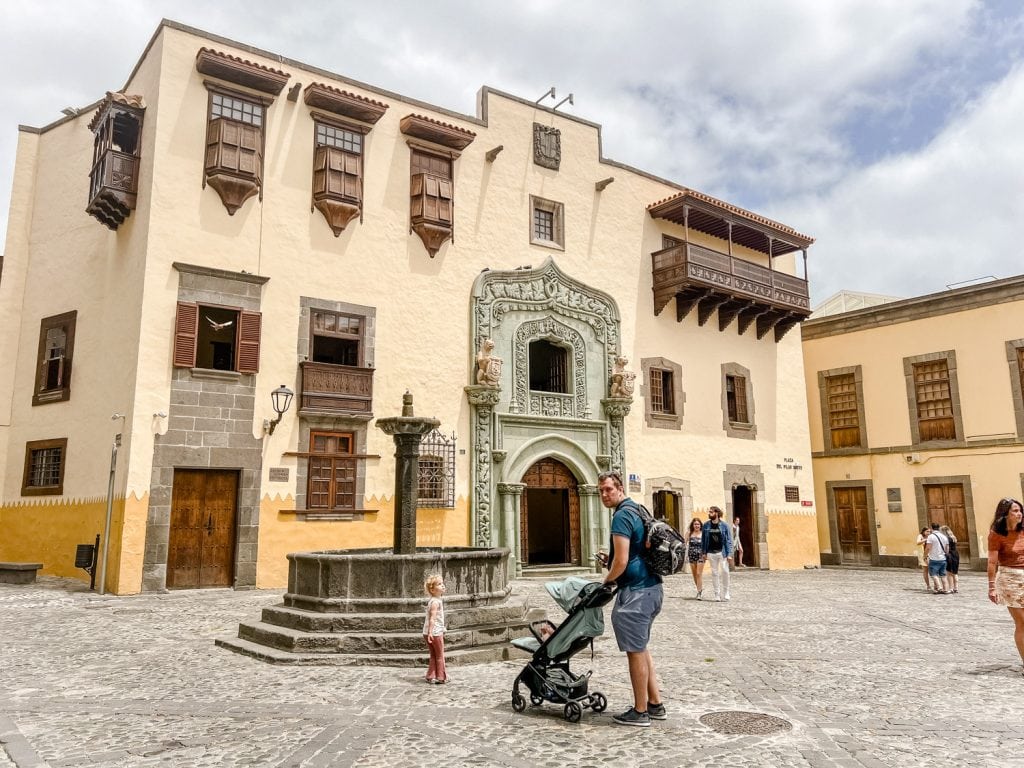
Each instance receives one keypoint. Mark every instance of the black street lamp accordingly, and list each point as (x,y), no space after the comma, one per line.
(282,400)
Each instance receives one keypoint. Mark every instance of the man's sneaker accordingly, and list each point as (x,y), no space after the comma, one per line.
(718,599)
(727,598)
(632,717)
(699,593)
(656,711)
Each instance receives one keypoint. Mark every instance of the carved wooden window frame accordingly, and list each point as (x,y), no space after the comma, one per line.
(338,208)
(248,332)
(340,460)
(824,388)
(358,338)
(557,212)
(40,394)
(34,447)
(910,365)
(233,196)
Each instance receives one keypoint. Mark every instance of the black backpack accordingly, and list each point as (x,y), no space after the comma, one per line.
(665,548)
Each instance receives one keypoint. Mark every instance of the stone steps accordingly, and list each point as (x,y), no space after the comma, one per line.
(477,655)
(557,572)
(514,611)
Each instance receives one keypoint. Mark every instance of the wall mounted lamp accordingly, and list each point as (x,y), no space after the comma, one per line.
(281,399)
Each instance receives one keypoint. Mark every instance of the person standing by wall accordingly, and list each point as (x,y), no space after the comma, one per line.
(716,542)
(695,555)
(1006,565)
(637,601)
(434,629)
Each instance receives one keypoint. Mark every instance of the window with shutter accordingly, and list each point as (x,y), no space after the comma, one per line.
(738,402)
(234,147)
(934,401)
(332,473)
(53,363)
(736,398)
(843,416)
(432,198)
(216,338)
(662,392)
(337,174)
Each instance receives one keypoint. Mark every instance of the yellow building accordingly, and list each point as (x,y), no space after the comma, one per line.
(916,416)
(254,225)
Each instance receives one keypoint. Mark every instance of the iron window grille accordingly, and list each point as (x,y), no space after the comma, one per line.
(437,471)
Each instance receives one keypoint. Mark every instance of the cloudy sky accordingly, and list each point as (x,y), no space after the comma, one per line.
(890,130)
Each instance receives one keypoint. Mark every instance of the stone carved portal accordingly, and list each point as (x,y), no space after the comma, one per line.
(514,428)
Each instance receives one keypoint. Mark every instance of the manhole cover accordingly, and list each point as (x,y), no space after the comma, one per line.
(745,723)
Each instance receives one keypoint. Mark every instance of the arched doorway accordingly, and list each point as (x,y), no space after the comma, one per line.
(743,510)
(549,515)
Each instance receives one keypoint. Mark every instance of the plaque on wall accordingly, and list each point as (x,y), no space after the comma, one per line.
(547,146)
(279,474)
(894,499)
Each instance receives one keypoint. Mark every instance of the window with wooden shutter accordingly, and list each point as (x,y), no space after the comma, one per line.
(332,473)
(432,198)
(234,148)
(662,391)
(736,398)
(1020,366)
(934,401)
(186,332)
(53,363)
(843,417)
(248,342)
(337,174)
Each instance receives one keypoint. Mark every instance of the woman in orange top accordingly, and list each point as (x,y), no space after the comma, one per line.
(1006,565)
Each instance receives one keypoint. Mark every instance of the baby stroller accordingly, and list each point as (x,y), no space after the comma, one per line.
(547,674)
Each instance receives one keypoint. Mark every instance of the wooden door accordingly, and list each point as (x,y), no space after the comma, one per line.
(854,524)
(945,504)
(550,473)
(201,544)
(743,509)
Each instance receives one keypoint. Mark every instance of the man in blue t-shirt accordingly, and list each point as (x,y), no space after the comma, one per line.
(716,542)
(637,601)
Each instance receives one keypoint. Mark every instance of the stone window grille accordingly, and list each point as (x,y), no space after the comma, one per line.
(547,223)
(436,482)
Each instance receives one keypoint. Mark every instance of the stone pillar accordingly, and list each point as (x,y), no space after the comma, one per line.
(617,408)
(511,503)
(482,398)
(591,508)
(407,431)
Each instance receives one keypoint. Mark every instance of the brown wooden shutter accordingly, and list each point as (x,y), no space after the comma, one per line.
(741,399)
(248,354)
(186,331)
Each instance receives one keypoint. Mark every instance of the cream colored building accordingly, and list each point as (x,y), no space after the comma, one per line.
(916,416)
(252,222)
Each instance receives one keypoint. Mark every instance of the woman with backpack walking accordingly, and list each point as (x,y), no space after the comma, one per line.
(952,560)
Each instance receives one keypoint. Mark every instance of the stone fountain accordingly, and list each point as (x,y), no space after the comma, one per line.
(366,606)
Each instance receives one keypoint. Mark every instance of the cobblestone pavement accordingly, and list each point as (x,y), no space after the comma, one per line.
(868,668)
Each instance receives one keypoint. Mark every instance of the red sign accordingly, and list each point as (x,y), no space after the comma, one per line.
(806,503)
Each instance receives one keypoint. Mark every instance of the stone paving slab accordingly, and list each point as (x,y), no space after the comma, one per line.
(868,668)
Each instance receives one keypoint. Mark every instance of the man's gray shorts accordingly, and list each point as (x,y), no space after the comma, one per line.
(633,614)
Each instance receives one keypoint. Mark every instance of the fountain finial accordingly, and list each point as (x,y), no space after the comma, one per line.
(407,403)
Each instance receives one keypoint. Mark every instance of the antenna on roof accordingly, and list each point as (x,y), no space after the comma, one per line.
(951,286)
(547,94)
(567,98)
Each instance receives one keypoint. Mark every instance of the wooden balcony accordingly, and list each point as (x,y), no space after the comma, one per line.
(113,187)
(335,389)
(701,278)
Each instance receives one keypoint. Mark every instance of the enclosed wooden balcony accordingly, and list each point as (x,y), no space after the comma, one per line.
(718,282)
(114,178)
(335,389)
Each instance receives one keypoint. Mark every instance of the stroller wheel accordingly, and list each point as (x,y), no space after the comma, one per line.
(518,702)
(573,712)
(536,700)
(598,702)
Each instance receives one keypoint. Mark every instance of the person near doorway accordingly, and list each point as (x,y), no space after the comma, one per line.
(1006,565)
(937,546)
(638,601)
(738,554)
(922,557)
(952,561)
(716,542)
(434,629)
(695,555)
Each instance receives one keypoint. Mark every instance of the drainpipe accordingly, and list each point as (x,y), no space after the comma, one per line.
(110,504)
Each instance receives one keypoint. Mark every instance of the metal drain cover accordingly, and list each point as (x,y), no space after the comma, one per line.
(745,723)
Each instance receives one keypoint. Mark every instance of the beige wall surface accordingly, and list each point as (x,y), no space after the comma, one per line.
(989,452)
(125,290)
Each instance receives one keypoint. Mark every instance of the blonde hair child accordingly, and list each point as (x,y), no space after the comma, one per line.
(434,629)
